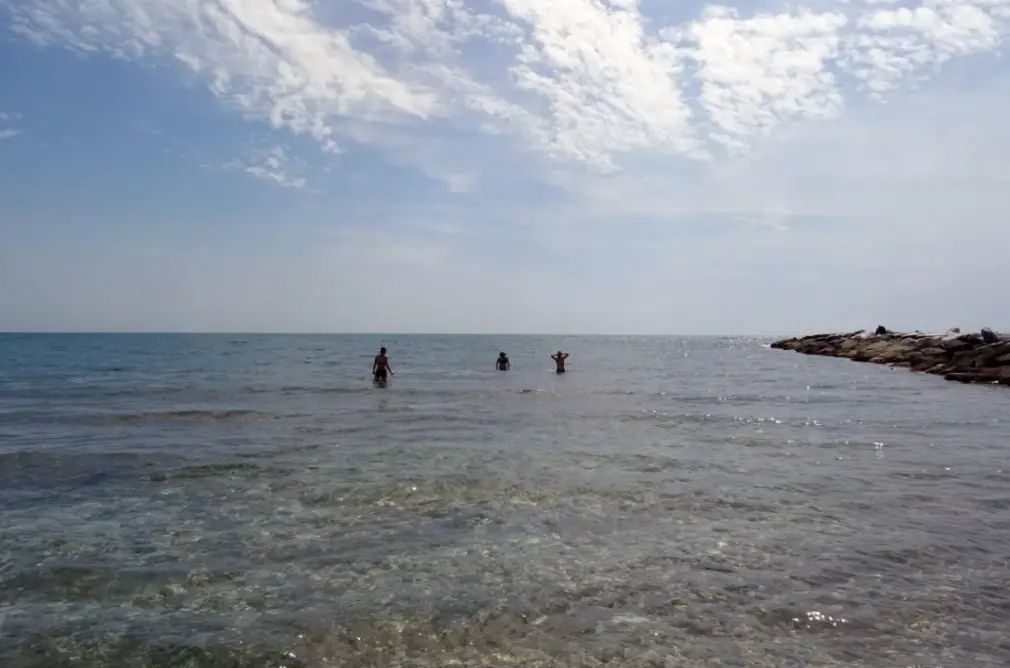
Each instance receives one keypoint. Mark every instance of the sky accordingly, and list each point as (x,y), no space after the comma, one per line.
(504,166)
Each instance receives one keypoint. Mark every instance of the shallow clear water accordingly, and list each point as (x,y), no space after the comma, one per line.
(256,501)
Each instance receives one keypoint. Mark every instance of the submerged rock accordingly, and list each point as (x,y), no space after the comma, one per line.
(982,357)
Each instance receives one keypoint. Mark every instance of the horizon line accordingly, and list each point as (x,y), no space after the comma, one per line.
(12,332)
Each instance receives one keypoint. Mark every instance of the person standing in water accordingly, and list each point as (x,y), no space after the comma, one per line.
(502,363)
(380,366)
(559,361)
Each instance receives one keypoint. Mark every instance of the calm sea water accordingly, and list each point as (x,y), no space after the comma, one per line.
(248,501)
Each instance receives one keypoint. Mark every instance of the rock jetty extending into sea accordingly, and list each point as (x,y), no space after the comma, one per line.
(968,358)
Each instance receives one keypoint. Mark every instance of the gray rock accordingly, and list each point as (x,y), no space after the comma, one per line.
(982,357)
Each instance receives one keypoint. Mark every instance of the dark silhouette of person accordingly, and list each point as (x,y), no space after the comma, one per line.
(380,366)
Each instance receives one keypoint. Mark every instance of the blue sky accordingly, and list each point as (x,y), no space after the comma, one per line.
(583,166)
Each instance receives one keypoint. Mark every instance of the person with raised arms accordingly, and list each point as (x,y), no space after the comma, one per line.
(559,361)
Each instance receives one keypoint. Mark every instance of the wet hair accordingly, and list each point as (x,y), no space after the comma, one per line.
(382,349)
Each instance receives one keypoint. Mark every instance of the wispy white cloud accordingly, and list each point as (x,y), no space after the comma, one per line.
(735,158)
(756,72)
(147,128)
(274,165)
(889,44)
(7,122)
(584,81)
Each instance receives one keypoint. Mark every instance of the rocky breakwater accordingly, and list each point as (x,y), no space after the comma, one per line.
(982,357)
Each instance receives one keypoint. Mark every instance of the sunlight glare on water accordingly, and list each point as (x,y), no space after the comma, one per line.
(255,501)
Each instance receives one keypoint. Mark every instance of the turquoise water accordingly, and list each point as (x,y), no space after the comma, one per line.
(256,501)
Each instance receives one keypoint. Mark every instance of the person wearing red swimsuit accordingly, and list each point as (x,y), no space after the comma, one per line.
(380,366)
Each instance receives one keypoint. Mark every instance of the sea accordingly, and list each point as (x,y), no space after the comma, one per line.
(256,501)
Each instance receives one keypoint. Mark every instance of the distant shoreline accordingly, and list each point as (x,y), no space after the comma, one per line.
(982,357)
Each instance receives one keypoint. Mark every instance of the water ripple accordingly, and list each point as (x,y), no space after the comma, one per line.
(247,502)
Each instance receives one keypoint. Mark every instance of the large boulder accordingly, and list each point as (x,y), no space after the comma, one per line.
(956,343)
